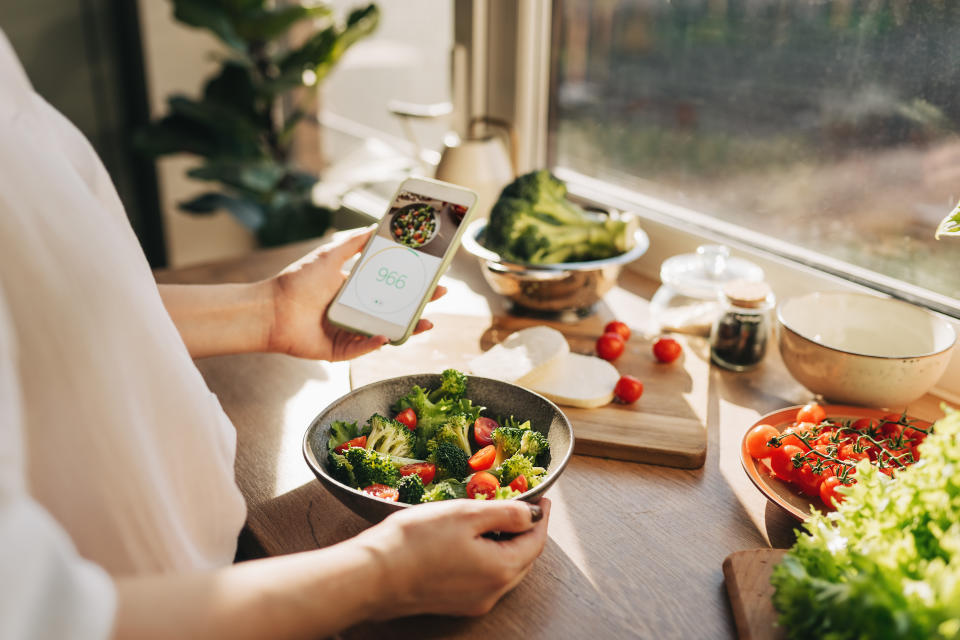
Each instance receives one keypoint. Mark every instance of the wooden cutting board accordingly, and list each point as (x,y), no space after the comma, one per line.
(747,576)
(666,426)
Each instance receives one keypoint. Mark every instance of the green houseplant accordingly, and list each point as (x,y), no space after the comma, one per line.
(242,126)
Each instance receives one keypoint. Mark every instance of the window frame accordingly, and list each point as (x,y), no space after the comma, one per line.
(508,45)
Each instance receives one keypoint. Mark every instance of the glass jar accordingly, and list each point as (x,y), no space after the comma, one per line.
(688,300)
(739,336)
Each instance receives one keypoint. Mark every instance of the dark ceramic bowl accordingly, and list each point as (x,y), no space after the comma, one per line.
(499,398)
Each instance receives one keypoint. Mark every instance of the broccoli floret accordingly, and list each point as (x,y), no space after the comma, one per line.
(518,465)
(430,416)
(507,440)
(453,385)
(450,460)
(514,423)
(341,469)
(533,222)
(445,490)
(533,443)
(411,489)
(467,408)
(371,467)
(390,437)
(456,432)
(340,432)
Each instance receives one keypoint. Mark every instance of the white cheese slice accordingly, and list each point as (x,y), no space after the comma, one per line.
(524,354)
(577,381)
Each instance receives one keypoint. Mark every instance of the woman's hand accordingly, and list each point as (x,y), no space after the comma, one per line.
(303,291)
(435,559)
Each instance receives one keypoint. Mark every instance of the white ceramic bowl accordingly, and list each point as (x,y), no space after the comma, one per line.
(856,348)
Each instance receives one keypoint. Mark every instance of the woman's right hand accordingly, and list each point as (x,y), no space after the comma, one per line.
(435,559)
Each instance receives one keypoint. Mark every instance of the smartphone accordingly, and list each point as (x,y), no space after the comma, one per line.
(399,268)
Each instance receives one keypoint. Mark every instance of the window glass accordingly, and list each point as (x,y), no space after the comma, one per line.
(831,124)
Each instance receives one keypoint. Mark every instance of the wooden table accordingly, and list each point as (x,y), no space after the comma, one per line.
(634,551)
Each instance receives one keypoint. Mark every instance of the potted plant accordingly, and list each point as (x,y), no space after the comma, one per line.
(242,126)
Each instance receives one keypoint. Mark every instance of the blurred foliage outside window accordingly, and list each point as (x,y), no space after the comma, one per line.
(242,126)
(831,125)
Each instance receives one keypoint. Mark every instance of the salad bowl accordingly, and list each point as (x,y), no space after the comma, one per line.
(500,399)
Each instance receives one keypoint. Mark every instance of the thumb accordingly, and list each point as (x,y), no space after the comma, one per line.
(347,243)
(514,516)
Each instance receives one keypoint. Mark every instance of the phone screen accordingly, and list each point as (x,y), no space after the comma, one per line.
(403,257)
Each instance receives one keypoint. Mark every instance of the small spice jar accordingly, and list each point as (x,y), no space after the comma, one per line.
(738,339)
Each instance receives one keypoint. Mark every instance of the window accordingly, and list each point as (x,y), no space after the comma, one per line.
(828,125)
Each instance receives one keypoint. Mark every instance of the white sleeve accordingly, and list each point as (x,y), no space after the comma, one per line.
(46,589)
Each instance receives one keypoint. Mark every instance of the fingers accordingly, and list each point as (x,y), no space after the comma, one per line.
(438,292)
(345,244)
(362,345)
(422,325)
(513,516)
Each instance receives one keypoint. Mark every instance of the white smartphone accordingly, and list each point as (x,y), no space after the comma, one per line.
(400,266)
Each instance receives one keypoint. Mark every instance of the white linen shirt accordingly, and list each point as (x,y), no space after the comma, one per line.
(114,456)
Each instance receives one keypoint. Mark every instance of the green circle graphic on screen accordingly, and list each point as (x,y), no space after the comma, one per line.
(390,280)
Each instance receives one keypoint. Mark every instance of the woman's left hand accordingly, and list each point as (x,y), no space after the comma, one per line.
(303,291)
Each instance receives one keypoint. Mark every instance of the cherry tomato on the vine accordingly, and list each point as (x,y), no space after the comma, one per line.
(811,412)
(757,440)
(628,389)
(781,461)
(666,350)
(610,346)
(828,492)
(616,326)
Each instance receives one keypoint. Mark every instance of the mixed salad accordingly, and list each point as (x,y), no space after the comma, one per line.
(437,446)
(414,225)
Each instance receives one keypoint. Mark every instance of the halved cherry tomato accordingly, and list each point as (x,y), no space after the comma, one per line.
(666,350)
(811,412)
(483,483)
(426,470)
(359,441)
(519,483)
(757,440)
(610,346)
(483,459)
(383,492)
(482,428)
(628,389)
(408,418)
(615,326)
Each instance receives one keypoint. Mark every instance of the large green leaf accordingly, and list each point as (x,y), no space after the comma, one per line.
(295,222)
(176,134)
(268,24)
(248,213)
(323,50)
(233,88)
(950,226)
(210,15)
(235,134)
(259,177)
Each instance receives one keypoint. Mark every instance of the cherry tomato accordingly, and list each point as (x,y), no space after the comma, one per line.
(383,492)
(483,483)
(426,470)
(408,418)
(808,480)
(828,492)
(483,459)
(791,433)
(666,350)
(628,389)
(610,346)
(360,441)
(847,453)
(757,440)
(811,412)
(519,483)
(781,461)
(616,326)
(863,424)
(482,428)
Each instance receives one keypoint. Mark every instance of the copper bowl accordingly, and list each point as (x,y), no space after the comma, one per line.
(551,289)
